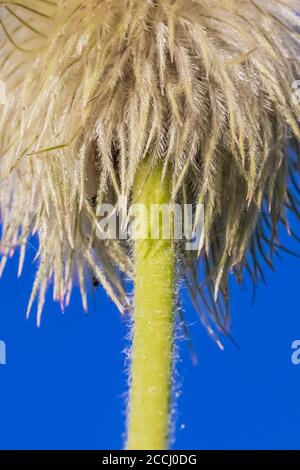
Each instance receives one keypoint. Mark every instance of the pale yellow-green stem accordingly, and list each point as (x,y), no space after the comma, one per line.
(152,351)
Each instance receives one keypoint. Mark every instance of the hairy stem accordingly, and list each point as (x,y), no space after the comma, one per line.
(153,319)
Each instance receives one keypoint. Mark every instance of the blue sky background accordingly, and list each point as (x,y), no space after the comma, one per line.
(64,385)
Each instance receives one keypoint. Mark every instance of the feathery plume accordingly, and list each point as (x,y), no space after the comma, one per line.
(94,88)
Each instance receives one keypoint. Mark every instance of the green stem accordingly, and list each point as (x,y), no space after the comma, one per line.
(153,321)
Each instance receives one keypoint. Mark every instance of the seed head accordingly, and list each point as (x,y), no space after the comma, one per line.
(205,87)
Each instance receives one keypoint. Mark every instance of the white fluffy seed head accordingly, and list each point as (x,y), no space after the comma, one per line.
(205,86)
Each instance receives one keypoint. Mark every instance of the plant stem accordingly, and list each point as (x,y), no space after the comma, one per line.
(153,320)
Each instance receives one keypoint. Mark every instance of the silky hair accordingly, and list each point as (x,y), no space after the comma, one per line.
(203,87)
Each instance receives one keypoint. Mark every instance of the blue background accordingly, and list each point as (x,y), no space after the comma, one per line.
(64,385)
